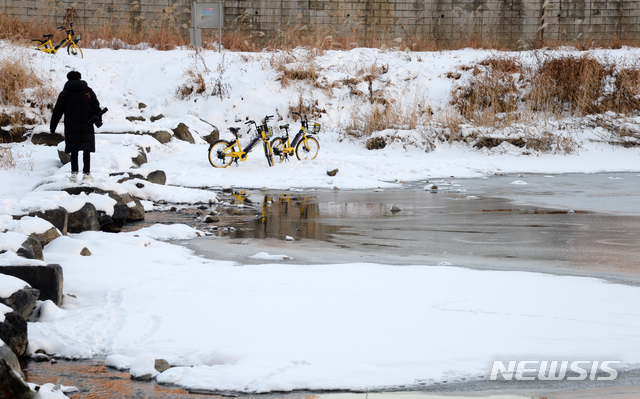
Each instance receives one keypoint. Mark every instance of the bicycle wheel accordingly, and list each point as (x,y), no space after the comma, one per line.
(268,152)
(278,145)
(218,151)
(37,44)
(307,152)
(73,49)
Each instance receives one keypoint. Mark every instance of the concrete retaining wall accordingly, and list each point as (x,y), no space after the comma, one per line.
(517,23)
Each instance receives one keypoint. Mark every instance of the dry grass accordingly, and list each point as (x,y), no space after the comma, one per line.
(491,96)
(7,161)
(195,84)
(11,157)
(501,91)
(398,113)
(294,67)
(21,86)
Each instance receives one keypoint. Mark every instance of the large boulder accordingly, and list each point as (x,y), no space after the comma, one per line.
(113,223)
(135,210)
(49,139)
(48,279)
(13,331)
(12,361)
(157,177)
(84,219)
(162,136)
(12,385)
(23,301)
(182,132)
(58,217)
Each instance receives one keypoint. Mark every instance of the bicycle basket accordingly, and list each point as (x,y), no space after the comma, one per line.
(315,128)
(77,38)
(268,132)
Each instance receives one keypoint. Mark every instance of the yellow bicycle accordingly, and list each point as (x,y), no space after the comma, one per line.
(223,152)
(70,42)
(304,145)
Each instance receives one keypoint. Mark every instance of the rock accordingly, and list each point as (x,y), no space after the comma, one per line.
(332,172)
(135,210)
(135,118)
(213,136)
(162,136)
(12,361)
(161,365)
(156,118)
(85,252)
(211,219)
(47,236)
(31,249)
(182,132)
(157,177)
(142,105)
(48,279)
(113,223)
(140,185)
(58,217)
(64,157)
(12,384)
(144,377)
(84,219)
(395,209)
(141,158)
(40,357)
(22,301)
(13,331)
(13,135)
(48,139)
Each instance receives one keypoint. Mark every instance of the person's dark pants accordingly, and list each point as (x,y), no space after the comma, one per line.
(86,161)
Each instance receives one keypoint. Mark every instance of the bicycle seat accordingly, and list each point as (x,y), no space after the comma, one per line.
(47,36)
(234,130)
(286,127)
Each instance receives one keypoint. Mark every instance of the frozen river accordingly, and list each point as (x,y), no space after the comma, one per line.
(578,224)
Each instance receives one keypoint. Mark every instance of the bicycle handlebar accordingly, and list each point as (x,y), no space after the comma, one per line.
(305,117)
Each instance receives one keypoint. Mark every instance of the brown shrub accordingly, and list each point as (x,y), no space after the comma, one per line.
(486,95)
(16,76)
(376,143)
(569,82)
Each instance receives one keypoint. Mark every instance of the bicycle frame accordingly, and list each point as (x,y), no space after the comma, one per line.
(302,135)
(242,154)
(228,153)
(48,46)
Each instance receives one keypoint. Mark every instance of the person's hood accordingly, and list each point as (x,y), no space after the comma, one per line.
(76,85)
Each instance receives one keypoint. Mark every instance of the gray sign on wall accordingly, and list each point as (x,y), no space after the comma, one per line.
(206,16)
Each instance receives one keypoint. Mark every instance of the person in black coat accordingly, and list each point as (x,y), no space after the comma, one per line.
(79,105)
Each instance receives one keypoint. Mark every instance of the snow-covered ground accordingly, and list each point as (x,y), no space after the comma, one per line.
(279,325)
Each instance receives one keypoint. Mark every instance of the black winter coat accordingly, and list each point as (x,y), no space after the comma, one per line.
(78,103)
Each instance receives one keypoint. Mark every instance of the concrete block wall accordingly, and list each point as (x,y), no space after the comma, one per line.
(516,23)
